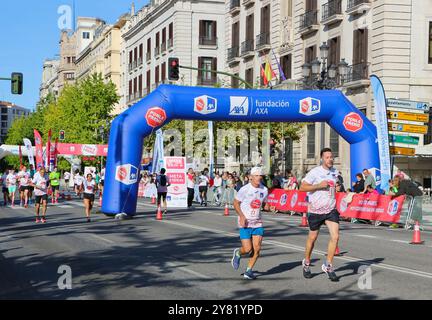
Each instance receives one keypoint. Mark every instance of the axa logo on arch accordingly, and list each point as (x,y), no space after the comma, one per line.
(353,122)
(310,106)
(205,104)
(126,174)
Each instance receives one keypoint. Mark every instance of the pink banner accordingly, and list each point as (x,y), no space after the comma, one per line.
(360,206)
(82,149)
(39,149)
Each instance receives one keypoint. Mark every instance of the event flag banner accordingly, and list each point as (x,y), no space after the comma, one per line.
(39,149)
(28,146)
(211,148)
(82,149)
(359,206)
(176,173)
(48,150)
(382,132)
(158,152)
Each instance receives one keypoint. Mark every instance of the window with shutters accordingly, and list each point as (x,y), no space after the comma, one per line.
(334,142)
(310,54)
(163,72)
(140,54)
(310,148)
(286,65)
(430,43)
(207,32)
(264,37)
(235,81)
(359,69)
(207,77)
(157,48)
(130,88)
(148,81)
(163,44)
(170,35)
(334,51)
(249,76)
(148,54)
(140,86)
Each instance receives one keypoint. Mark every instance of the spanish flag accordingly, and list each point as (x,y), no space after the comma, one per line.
(267,72)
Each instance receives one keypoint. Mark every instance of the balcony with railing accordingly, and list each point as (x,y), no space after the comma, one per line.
(163,47)
(140,61)
(247,48)
(248,2)
(208,41)
(356,7)
(357,76)
(263,41)
(332,12)
(309,22)
(170,43)
(233,55)
(234,7)
(157,52)
(205,80)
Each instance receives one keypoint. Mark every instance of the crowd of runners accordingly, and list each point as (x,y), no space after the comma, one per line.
(28,187)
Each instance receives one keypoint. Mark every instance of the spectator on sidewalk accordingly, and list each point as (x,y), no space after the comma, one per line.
(358,186)
(369,180)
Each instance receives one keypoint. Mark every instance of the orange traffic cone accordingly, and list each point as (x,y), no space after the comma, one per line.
(226,213)
(304,222)
(153,201)
(416,236)
(159,213)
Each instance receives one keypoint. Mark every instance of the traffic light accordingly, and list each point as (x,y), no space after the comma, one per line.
(62,135)
(17,83)
(173,68)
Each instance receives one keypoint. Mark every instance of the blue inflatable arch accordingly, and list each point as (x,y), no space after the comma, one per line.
(170,102)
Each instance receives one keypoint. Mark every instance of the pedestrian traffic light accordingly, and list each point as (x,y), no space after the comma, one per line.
(173,68)
(61,135)
(17,83)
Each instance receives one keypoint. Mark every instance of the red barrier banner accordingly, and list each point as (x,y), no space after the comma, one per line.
(292,200)
(370,207)
(359,206)
(82,149)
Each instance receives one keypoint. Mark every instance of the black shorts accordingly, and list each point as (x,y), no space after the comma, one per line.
(30,188)
(5,189)
(317,220)
(23,188)
(89,196)
(54,188)
(161,195)
(39,199)
(202,189)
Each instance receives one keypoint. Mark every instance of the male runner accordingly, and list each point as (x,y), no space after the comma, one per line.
(247,204)
(320,184)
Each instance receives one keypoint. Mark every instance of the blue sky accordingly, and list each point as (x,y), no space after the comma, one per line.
(30,34)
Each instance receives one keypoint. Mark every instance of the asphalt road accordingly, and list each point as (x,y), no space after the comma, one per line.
(187,256)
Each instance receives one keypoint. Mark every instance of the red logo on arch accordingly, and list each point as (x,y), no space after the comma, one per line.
(122,174)
(155,117)
(305,106)
(200,104)
(353,122)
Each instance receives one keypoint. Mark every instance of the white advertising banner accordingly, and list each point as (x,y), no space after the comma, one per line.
(176,173)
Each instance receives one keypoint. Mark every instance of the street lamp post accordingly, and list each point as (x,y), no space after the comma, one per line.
(326,79)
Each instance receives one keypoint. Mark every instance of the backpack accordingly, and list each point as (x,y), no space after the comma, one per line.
(163,180)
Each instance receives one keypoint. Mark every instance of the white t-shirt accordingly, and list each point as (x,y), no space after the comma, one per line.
(203,181)
(190,181)
(322,201)
(11,180)
(24,177)
(217,182)
(41,184)
(251,199)
(89,187)
(78,180)
(67,176)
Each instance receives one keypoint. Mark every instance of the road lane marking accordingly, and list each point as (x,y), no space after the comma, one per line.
(400,241)
(102,238)
(322,253)
(364,236)
(65,206)
(187,270)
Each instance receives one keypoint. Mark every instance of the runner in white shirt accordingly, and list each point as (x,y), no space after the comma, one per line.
(11,183)
(247,204)
(320,184)
(24,180)
(203,182)
(217,188)
(40,184)
(78,181)
(89,187)
(66,177)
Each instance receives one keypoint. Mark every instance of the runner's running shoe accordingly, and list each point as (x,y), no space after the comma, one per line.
(306,269)
(235,262)
(249,275)
(43,220)
(37,220)
(328,269)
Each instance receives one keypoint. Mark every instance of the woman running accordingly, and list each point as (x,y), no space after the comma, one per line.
(89,186)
